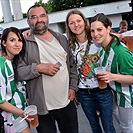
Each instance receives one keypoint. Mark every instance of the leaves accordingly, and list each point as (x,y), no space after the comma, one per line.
(59,5)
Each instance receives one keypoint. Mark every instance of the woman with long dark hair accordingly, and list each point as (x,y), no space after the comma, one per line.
(12,93)
(118,60)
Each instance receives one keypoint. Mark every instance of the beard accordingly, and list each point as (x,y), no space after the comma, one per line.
(39,31)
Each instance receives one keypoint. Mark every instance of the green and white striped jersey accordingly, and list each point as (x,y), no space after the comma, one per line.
(118,60)
(9,90)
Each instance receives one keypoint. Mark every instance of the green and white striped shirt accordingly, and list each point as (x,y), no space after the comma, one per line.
(118,60)
(9,90)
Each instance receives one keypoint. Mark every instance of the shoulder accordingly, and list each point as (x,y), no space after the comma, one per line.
(122,52)
(2,64)
(2,60)
(95,46)
(57,35)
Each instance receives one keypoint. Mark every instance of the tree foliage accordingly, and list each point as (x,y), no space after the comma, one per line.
(40,3)
(59,5)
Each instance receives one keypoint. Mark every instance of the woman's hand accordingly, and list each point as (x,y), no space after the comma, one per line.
(106,76)
(28,119)
(120,78)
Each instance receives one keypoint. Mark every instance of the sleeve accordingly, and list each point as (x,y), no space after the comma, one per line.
(25,70)
(73,74)
(125,62)
(2,88)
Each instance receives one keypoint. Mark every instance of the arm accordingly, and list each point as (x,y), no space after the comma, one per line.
(125,66)
(73,77)
(28,72)
(72,71)
(26,33)
(25,72)
(6,106)
(31,67)
(108,77)
(48,69)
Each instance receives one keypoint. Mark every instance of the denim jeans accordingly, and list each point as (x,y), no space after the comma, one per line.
(104,100)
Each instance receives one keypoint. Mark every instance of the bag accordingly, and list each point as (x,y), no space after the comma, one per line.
(1,124)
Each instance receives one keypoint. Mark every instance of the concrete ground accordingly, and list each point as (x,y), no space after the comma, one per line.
(84,126)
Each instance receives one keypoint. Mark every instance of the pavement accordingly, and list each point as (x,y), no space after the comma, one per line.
(84,126)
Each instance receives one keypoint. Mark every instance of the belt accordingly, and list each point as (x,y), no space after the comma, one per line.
(90,91)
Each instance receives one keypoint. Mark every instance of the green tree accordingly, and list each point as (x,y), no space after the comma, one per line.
(40,3)
(47,5)
(59,5)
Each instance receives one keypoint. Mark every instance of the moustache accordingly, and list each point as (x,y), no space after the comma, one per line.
(40,23)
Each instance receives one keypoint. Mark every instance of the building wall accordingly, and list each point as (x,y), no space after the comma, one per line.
(113,10)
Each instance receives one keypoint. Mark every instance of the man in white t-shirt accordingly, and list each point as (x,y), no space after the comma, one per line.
(51,75)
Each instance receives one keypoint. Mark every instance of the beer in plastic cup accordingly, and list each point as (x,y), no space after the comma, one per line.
(31,111)
(102,84)
(129,42)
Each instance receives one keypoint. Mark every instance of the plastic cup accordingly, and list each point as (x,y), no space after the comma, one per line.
(19,126)
(129,42)
(102,84)
(31,110)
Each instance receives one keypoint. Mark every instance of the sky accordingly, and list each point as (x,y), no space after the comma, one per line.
(25,4)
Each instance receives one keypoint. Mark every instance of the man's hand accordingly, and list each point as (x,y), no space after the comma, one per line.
(48,69)
(71,94)
(26,33)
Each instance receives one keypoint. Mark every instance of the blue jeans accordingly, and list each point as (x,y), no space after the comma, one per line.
(104,100)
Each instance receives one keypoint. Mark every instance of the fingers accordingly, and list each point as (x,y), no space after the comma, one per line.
(49,69)
(71,94)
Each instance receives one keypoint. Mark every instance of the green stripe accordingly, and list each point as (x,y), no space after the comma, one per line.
(3,69)
(13,86)
(122,96)
(131,94)
(122,100)
(105,58)
(8,69)
(13,103)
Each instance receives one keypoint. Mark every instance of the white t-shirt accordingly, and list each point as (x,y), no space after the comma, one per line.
(90,81)
(55,87)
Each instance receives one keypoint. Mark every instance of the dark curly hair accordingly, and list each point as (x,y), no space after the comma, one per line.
(20,36)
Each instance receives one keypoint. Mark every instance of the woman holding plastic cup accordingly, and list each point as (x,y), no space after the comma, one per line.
(12,93)
(118,61)
(90,95)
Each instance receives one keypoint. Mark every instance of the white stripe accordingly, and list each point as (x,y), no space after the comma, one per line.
(17,100)
(9,94)
(109,60)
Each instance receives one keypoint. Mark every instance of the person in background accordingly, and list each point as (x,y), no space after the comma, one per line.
(118,61)
(0,43)
(123,26)
(51,75)
(12,93)
(85,52)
